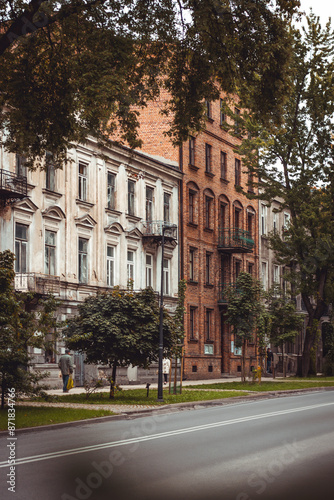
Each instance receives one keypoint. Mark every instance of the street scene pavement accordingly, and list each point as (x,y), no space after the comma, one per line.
(270,449)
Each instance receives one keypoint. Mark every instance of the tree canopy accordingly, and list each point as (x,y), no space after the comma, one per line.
(119,328)
(74,68)
(295,164)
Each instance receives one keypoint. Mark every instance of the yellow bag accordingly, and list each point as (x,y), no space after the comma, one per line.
(70,383)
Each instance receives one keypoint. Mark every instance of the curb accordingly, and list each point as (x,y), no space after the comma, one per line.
(192,405)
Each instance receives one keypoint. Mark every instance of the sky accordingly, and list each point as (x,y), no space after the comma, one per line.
(322,8)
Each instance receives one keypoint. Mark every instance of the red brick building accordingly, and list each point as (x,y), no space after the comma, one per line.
(218,235)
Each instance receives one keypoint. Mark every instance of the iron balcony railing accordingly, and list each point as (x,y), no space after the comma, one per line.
(235,240)
(12,185)
(154,229)
(38,283)
(223,287)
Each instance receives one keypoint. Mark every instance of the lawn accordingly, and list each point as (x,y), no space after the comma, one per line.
(139,397)
(31,416)
(283,385)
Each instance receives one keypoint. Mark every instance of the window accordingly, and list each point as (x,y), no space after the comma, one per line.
(166,207)
(250,182)
(222,114)
(131,198)
(192,323)
(237,267)
(149,204)
(264,280)
(208,324)
(83,260)
(286,220)
(223,165)
(263,220)
(208,201)
(208,159)
(110,265)
(207,108)
(276,277)
(20,167)
(275,222)
(82,181)
(236,121)
(166,277)
(250,223)
(191,150)
(250,268)
(49,172)
(237,217)
(50,253)
(237,172)
(111,178)
(131,266)
(149,270)
(192,195)
(208,268)
(21,244)
(192,264)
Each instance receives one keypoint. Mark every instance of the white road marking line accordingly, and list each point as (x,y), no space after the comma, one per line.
(124,442)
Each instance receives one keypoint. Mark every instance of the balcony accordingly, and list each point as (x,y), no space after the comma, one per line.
(222,294)
(43,284)
(235,240)
(153,230)
(12,187)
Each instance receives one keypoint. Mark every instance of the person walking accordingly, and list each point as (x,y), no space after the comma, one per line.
(166,369)
(270,357)
(66,367)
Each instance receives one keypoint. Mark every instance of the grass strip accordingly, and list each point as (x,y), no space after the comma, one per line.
(267,386)
(138,397)
(31,416)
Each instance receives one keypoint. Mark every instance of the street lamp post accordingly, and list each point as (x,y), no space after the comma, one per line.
(161,335)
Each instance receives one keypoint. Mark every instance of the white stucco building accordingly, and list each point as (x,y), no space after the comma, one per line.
(95,224)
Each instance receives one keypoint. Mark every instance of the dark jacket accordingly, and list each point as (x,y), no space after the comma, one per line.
(65,364)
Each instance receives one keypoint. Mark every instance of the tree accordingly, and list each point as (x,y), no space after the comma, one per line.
(244,307)
(285,322)
(25,322)
(119,328)
(74,68)
(295,163)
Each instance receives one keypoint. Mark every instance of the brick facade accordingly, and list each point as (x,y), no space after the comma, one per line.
(213,216)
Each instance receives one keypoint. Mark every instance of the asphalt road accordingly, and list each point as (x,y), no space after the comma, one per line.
(275,449)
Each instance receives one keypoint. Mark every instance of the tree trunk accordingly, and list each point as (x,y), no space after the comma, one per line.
(113,381)
(243,356)
(283,360)
(310,346)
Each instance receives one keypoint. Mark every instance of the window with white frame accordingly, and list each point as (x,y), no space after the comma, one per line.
(83,172)
(276,277)
(83,260)
(275,222)
(131,197)
(286,220)
(50,173)
(149,204)
(166,207)
(130,266)
(20,168)
(263,219)
(21,247)
(50,253)
(264,275)
(111,181)
(110,265)
(149,270)
(166,271)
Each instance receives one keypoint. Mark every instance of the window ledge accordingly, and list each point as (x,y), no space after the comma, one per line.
(209,119)
(208,230)
(208,285)
(192,224)
(224,181)
(84,203)
(192,282)
(51,193)
(209,174)
(193,167)
(113,211)
(193,341)
(133,218)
